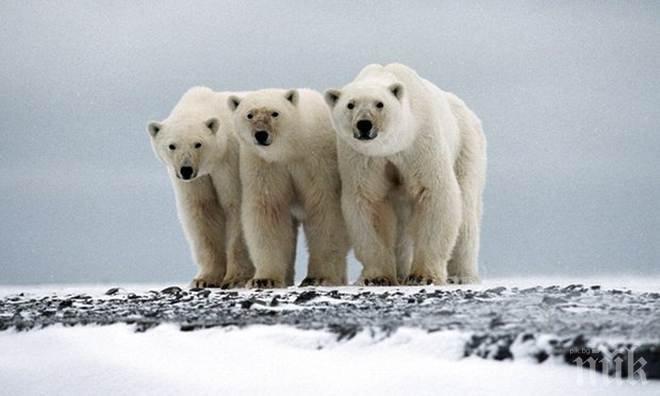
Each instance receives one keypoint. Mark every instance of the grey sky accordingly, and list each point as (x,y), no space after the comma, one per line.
(568,92)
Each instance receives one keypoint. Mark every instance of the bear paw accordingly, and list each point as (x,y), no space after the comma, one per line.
(234,283)
(378,281)
(264,284)
(463,280)
(309,281)
(420,280)
(312,281)
(204,283)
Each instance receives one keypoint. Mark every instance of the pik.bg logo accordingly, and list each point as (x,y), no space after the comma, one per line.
(621,365)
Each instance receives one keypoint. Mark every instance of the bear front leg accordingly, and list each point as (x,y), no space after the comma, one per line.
(203,223)
(436,221)
(327,242)
(239,266)
(372,226)
(270,238)
(207,239)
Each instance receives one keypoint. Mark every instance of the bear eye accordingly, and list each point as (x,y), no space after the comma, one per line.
(172,147)
(198,145)
(249,116)
(275,114)
(380,105)
(350,106)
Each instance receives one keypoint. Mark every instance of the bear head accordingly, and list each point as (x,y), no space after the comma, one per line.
(267,121)
(371,116)
(187,147)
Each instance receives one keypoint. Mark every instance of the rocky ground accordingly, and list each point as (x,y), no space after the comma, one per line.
(613,327)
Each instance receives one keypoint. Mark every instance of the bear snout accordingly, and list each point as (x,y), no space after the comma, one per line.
(186,172)
(365,130)
(262,138)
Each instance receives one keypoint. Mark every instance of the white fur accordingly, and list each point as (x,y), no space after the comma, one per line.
(209,204)
(294,179)
(412,195)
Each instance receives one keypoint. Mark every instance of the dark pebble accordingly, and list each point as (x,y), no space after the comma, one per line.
(550,300)
(172,290)
(246,304)
(344,332)
(306,296)
(541,356)
(527,337)
(65,303)
(496,322)
(502,353)
(496,290)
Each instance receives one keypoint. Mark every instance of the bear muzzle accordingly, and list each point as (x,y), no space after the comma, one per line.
(263,138)
(186,173)
(364,130)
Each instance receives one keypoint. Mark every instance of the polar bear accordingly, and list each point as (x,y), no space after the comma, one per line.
(412,160)
(197,144)
(289,175)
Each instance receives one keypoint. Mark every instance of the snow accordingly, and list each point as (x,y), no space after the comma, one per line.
(274,360)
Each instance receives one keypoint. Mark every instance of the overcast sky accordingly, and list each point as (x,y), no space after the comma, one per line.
(568,92)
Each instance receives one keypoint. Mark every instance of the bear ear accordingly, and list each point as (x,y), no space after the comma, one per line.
(233,102)
(397,90)
(213,124)
(153,128)
(331,97)
(292,96)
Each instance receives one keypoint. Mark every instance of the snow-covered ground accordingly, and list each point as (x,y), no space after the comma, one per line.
(274,360)
(649,284)
(282,359)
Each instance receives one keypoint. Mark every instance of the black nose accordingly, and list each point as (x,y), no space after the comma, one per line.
(365,130)
(364,126)
(186,172)
(262,137)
